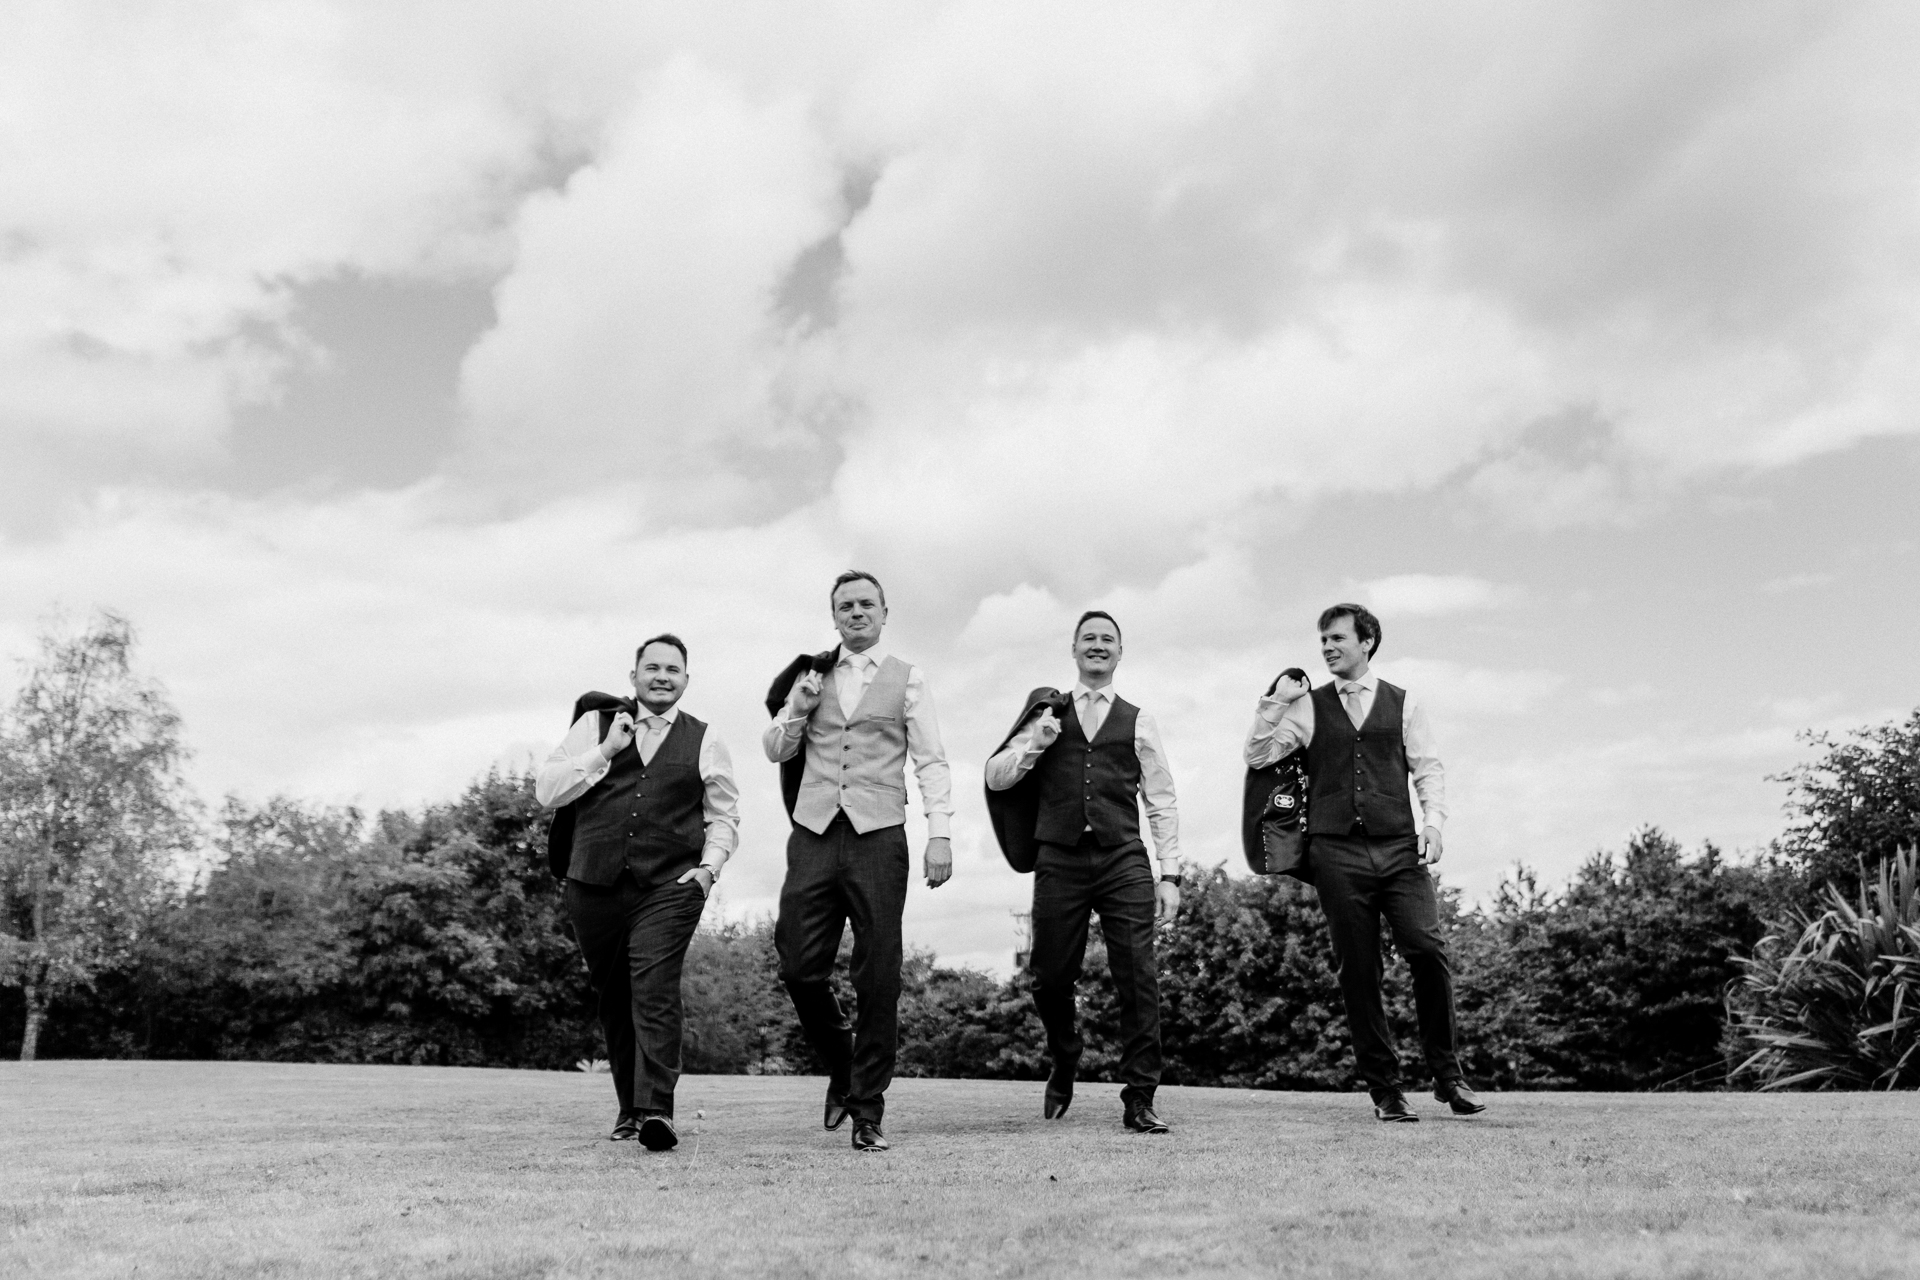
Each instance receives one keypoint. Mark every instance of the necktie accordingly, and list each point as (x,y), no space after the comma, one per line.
(1091,707)
(1350,699)
(656,730)
(852,681)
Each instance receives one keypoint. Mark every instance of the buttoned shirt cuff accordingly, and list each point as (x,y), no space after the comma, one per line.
(1272,709)
(583,771)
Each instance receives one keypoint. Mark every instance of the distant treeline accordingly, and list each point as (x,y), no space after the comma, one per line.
(318,935)
(439,938)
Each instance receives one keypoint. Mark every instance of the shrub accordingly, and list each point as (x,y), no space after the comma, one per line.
(1840,1007)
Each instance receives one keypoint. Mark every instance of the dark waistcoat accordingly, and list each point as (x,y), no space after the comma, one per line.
(1090,783)
(1358,775)
(645,818)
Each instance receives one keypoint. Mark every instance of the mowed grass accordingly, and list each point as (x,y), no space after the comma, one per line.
(244,1169)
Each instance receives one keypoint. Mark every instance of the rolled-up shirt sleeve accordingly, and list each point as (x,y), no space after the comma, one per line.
(573,766)
(1279,728)
(929,756)
(719,804)
(1156,788)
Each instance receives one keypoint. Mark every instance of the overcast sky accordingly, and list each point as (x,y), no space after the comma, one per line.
(396,366)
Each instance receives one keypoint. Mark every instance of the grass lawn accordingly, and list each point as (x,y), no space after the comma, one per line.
(242,1169)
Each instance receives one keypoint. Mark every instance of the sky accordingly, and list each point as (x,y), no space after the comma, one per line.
(395,367)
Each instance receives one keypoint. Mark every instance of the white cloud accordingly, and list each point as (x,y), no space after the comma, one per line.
(1433,595)
(1138,292)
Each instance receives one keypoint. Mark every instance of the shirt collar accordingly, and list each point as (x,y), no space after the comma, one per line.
(671,714)
(1367,682)
(852,660)
(1080,690)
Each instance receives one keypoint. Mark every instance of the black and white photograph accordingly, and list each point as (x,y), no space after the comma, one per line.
(959,639)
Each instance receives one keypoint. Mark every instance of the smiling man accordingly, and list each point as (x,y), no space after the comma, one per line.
(1364,739)
(858,722)
(656,816)
(1089,768)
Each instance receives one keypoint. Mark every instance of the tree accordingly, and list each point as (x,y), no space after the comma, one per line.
(1622,976)
(1854,807)
(92,808)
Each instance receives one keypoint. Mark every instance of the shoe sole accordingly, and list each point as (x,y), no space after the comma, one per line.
(1055,1110)
(1395,1119)
(834,1125)
(1466,1111)
(657,1135)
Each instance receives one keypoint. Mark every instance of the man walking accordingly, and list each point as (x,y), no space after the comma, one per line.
(656,814)
(1364,738)
(851,726)
(1084,772)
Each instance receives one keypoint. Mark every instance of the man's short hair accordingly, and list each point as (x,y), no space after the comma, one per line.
(1097,613)
(856,575)
(665,637)
(1365,625)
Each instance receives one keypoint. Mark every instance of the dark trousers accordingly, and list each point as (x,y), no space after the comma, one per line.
(1360,880)
(831,879)
(1068,885)
(635,943)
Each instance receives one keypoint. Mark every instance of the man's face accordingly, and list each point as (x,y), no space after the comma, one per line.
(1096,650)
(858,614)
(659,677)
(1340,645)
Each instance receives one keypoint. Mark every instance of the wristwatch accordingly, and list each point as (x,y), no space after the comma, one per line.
(1169,879)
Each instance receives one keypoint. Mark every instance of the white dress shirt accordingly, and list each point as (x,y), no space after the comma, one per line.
(1280,727)
(576,764)
(851,676)
(1012,763)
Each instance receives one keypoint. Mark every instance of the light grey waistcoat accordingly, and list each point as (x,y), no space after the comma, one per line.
(857,764)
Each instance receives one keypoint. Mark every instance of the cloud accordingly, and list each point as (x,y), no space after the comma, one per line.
(1026,310)
(1433,595)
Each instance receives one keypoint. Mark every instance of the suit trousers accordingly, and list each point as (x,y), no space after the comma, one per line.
(1360,880)
(1069,884)
(635,943)
(834,878)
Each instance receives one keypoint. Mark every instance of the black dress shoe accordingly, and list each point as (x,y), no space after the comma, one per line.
(658,1134)
(1140,1119)
(1059,1094)
(625,1129)
(836,1113)
(1458,1097)
(1391,1105)
(867,1137)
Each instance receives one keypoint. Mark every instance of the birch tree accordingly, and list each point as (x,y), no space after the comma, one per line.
(92,809)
